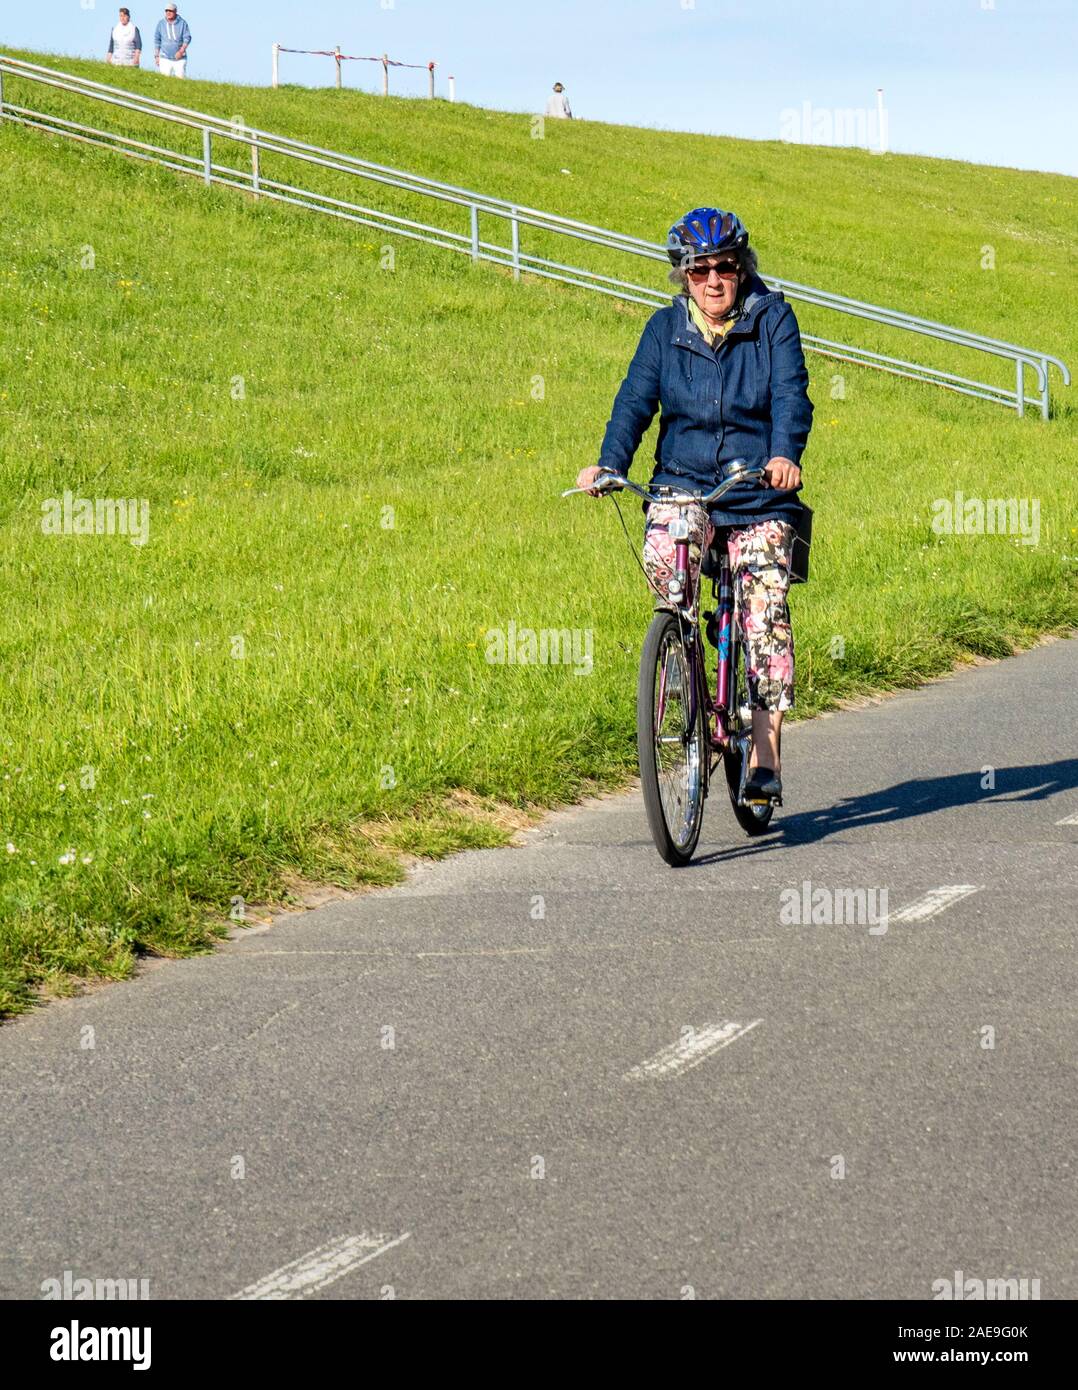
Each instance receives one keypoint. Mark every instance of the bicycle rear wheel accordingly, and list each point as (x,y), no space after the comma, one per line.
(671,740)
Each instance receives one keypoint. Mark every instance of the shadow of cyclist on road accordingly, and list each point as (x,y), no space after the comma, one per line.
(905,800)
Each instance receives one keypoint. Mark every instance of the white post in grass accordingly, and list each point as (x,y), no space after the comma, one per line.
(881,121)
(337,57)
(452,88)
(276,61)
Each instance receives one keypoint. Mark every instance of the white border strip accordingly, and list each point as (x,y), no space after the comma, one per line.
(320,1267)
(690,1050)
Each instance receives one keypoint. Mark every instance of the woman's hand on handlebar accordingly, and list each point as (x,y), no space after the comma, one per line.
(783,473)
(586,479)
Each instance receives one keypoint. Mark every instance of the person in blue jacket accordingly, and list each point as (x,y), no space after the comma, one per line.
(723,362)
(171,40)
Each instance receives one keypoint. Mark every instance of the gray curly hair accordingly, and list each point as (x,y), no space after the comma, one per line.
(747,261)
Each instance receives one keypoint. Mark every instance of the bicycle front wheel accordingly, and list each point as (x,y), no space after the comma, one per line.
(671,740)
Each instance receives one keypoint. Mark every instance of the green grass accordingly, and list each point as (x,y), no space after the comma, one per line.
(131,734)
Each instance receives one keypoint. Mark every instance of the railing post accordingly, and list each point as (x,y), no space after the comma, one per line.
(337,58)
(430,69)
(1042,382)
(276,61)
(1038,362)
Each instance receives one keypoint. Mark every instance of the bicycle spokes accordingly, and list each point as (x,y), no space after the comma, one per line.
(676,727)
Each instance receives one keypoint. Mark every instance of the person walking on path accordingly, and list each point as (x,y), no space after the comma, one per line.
(125,43)
(558,105)
(171,40)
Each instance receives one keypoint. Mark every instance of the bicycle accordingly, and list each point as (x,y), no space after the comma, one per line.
(682,729)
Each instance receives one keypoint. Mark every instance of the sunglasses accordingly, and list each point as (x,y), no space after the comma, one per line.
(723,268)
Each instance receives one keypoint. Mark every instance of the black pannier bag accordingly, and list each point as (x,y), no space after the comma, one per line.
(799,560)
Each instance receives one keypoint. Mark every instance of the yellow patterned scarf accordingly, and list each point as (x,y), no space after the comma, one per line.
(711,335)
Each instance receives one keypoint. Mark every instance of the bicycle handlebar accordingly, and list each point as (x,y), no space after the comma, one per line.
(739,471)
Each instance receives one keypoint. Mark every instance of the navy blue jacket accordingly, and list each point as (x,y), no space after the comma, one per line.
(745,398)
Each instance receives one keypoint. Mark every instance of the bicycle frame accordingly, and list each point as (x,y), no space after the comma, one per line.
(725,671)
(708,727)
(722,718)
(728,727)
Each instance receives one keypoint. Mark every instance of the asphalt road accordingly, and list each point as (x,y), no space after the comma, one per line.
(565,1070)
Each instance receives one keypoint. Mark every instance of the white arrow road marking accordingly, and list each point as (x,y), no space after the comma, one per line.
(320,1267)
(932,903)
(690,1050)
(1069,820)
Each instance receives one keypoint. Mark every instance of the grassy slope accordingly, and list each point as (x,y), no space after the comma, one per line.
(216,777)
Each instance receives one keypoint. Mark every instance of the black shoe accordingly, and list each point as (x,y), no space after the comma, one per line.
(762,787)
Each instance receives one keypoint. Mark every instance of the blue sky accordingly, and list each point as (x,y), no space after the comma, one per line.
(985,80)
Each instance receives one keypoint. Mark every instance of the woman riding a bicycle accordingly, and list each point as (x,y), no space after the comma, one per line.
(724,364)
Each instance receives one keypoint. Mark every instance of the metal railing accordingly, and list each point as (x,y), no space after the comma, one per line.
(258,143)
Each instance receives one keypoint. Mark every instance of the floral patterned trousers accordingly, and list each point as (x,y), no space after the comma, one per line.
(759,558)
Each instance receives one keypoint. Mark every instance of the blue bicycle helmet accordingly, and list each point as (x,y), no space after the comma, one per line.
(704,232)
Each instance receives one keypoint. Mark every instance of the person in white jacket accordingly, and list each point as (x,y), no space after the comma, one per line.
(125,43)
(558,105)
